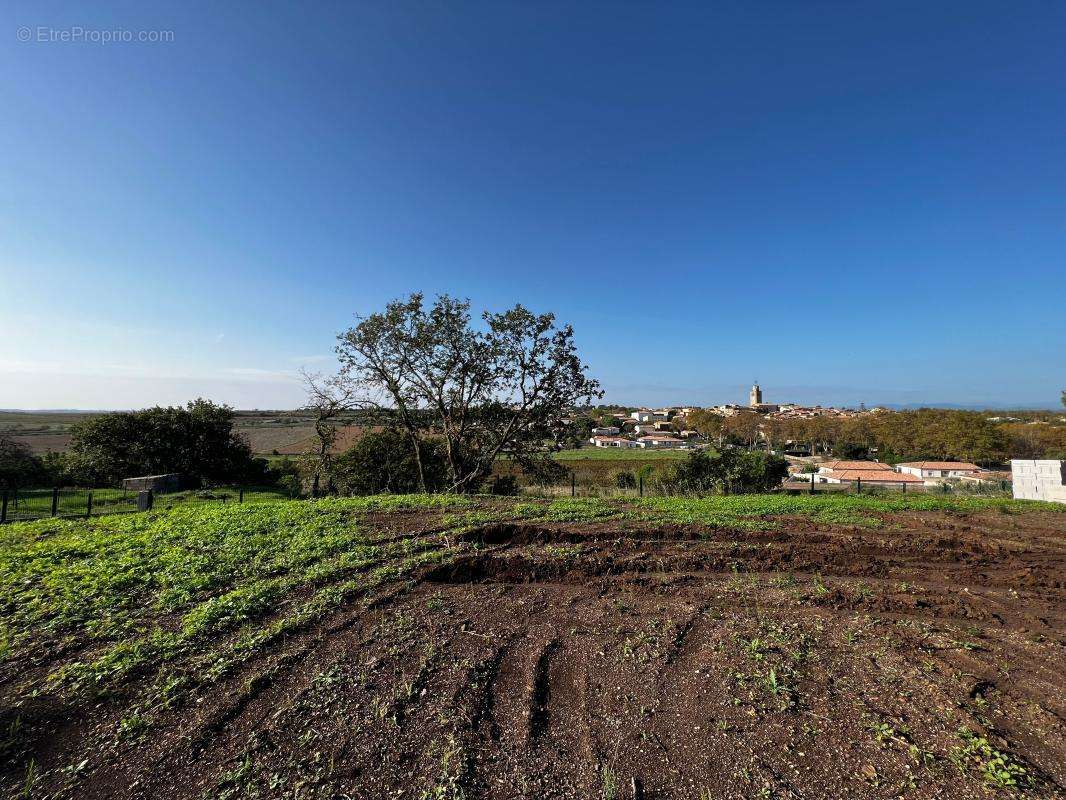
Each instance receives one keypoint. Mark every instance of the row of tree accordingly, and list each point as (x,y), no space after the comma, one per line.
(197,440)
(895,436)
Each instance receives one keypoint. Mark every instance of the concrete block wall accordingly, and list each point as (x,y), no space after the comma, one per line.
(1039,479)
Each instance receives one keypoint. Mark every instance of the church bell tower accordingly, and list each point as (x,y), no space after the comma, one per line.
(755,395)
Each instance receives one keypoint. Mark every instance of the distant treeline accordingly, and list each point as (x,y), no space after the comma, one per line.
(895,436)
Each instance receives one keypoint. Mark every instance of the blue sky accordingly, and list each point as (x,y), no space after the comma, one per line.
(848,201)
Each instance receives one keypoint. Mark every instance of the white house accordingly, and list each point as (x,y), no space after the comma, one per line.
(644,415)
(932,472)
(612,441)
(1043,479)
(642,428)
(868,477)
(660,442)
(609,430)
(869,472)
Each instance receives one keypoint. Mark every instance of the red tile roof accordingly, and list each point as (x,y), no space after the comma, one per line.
(856,465)
(874,476)
(963,465)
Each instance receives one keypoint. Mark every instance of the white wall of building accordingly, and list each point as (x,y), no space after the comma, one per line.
(1039,479)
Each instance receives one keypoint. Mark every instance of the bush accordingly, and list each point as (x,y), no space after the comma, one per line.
(18,466)
(851,451)
(625,479)
(384,462)
(506,485)
(728,472)
(197,441)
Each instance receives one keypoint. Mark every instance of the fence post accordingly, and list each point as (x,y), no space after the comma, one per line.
(240,495)
(812,483)
(55,500)
(89,505)
(3,507)
(904,487)
(640,485)
(858,486)
(573,483)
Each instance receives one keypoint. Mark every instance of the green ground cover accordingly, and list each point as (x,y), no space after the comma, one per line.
(187,593)
(190,592)
(31,504)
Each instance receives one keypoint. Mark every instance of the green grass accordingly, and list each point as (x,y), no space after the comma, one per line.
(840,509)
(31,504)
(185,594)
(138,591)
(757,511)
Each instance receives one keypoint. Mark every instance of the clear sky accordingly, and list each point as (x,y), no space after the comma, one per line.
(848,201)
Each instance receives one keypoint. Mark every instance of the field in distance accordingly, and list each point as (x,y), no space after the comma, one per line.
(265,431)
(446,646)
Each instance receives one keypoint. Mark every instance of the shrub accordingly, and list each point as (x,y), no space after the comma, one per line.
(196,440)
(625,479)
(18,466)
(728,472)
(504,485)
(384,462)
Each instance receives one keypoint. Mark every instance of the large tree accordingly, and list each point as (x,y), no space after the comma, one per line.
(196,440)
(502,388)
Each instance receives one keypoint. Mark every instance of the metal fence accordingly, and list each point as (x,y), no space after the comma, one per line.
(31,504)
(71,502)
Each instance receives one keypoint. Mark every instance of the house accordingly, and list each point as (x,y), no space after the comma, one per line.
(644,415)
(660,442)
(935,471)
(988,476)
(856,466)
(1043,479)
(609,430)
(652,427)
(612,441)
(871,472)
(868,477)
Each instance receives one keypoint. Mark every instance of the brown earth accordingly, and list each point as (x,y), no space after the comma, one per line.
(614,660)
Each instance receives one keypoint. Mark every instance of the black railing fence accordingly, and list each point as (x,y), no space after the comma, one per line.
(70,502)
(32,504)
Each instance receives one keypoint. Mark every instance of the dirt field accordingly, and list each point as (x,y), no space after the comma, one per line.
(581,653)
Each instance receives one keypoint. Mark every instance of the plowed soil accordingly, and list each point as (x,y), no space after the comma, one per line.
(921,659)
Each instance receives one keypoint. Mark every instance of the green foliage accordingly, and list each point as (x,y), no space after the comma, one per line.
(851,450)
(385,461)
(997,768)
(751,511)
(142,590)
(927,433)
(503,387)
(18,466)
(729,472)
(505,485)
(197,441)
